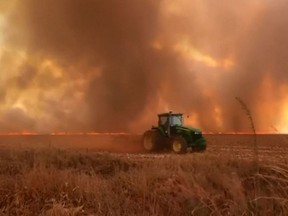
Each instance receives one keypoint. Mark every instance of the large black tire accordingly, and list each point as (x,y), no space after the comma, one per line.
(178,145)
(152,141)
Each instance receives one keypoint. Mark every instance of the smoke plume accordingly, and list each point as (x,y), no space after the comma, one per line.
(95,65)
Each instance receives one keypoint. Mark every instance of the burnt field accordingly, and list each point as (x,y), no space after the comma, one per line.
(272,147)
(110,175)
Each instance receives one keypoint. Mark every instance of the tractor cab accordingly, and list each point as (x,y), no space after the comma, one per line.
(168,121)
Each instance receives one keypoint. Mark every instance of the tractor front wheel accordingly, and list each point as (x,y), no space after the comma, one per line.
(178,145)
(151,140)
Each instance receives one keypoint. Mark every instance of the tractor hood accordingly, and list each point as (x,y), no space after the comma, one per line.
(188,129)
(193,136)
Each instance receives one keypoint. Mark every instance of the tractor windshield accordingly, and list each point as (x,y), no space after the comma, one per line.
(176,120)
(163,120)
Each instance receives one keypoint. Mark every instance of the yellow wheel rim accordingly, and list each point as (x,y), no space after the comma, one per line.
(177,146)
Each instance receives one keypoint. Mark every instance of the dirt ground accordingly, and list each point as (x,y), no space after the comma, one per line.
(268,147)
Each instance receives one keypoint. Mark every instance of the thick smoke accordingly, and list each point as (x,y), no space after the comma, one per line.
(112,65)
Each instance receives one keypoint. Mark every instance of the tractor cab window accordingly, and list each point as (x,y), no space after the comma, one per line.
(176,120)
(163,120)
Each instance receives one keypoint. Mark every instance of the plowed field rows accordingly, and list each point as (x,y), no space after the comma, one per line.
(269,147)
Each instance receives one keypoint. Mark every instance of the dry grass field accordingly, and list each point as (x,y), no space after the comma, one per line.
(110,175)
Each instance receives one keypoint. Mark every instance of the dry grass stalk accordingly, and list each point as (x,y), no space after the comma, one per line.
(250,117)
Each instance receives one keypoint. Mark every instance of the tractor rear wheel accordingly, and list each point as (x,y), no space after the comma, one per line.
(152,141)
(178,145)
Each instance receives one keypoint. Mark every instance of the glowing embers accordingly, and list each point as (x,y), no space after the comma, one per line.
(31,133)
(19,133)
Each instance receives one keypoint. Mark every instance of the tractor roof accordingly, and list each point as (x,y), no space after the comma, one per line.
(173,114)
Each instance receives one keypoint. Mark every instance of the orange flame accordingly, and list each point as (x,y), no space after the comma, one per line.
(29,133)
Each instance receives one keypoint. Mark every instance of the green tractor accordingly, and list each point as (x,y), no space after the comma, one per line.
(171,134)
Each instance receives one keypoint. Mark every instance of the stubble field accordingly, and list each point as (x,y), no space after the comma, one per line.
(110,175)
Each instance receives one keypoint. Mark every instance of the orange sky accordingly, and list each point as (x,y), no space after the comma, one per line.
(70,66)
